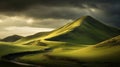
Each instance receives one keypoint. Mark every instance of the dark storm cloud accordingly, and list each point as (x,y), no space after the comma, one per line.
(22,4)
(67,9)
(55,12)
(16,5)
(29,16)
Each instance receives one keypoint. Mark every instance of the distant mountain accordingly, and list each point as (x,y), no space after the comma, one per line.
(32,37)
(12,38)
(85,30)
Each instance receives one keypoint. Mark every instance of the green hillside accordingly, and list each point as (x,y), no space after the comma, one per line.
(31,38)
(85,30)
(106,51)
(99,55)
(8,48)
(12,38)
(85,40)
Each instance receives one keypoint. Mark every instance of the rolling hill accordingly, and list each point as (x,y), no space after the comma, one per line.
(106,51)
(84,40)
(114,42)
(99,55)
(85,30)
(12,38)
(31,37)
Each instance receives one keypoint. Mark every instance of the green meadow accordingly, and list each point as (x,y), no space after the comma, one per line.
(85,42)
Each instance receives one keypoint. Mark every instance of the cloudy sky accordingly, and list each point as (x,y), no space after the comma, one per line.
(26,17)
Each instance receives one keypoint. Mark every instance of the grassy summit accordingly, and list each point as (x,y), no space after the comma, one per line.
(85,30)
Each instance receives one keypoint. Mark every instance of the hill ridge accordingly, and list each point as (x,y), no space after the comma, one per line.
(66,26)
(11,38)
(83,29)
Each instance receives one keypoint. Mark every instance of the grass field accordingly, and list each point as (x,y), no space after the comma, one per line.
(83,43)
(11,48)
(76,56)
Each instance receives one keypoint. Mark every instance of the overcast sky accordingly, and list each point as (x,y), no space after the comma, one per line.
(26,17)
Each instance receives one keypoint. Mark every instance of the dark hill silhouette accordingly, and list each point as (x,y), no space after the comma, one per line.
(12,38)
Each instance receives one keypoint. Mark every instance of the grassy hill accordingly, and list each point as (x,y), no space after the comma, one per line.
(76,43)
(12,38)
(85,30)
(99,55)
(8,48)
(106,51)
(31,38)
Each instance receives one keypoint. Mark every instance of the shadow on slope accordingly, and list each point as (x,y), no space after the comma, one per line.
(85,30)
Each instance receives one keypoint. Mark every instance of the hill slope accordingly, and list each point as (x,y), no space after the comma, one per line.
(12,38)
(31,37)
(85,30)
(109,43)
(106,51)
